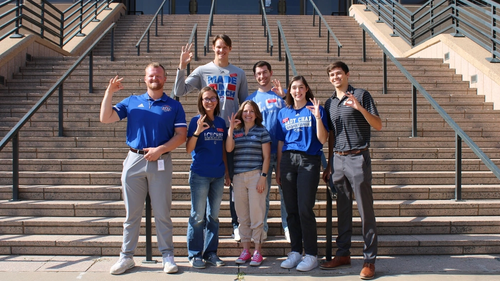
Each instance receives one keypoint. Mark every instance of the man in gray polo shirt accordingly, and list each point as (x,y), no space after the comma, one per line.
(351,112)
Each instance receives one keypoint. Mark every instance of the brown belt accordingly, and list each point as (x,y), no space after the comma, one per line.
(142,151)
(354,151)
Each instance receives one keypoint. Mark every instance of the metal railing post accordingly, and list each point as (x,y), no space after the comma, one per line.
(196,44)
(384,91)
(314,17)
(363,58)
(319,28)
(42,20)
(91,72)
(15,168)
(18,21)
(107,5)
(80,33)
(494,58)
(149,244)
(61,110)
(147,49)
(156,26)
(61,26)
(162,15)
(458,167)
(279,46)
(287,72)
(414,111)
(112,44)
(95,19)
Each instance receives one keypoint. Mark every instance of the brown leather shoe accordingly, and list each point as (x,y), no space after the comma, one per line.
(337,262)
(368,271)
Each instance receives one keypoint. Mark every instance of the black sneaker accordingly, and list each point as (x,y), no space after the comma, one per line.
(213,259)
(197,262)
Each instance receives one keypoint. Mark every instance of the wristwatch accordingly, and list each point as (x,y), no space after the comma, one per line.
(263,174)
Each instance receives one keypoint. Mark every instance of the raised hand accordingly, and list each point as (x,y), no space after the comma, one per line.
(186,56)
(202,125)
(233,121)
(352,101)
(115,84)
(315,108)
(277,88)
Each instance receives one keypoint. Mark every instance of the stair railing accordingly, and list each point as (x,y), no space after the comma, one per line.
(330,32)
(288,56)
(459,133)
(267,29)
(13,134)
(148,29)
(208,33)
(194,36)
(477,19)
(45,20)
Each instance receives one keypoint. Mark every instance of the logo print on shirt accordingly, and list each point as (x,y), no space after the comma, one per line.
(140,105)
(238,135)
(225,85)
(220,130)
(166,108)
(284,120)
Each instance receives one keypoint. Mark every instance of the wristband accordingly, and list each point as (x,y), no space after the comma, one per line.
(195,135)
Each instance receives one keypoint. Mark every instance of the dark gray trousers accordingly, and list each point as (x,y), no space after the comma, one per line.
(353,174)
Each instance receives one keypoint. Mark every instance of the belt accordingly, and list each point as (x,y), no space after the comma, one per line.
(348,152)
(142,151)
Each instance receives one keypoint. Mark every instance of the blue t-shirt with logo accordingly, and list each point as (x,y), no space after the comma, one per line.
(270,105)
(298,129)
(151,123)
(207,154)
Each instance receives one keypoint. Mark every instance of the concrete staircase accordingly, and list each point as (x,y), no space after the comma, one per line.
(70,186)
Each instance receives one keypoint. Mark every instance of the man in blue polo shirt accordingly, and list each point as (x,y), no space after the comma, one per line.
(351,113)
(156,125)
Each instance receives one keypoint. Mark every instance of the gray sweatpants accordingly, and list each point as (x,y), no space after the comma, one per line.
(138,178)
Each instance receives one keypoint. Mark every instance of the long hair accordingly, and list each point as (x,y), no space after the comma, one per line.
(309,94)
(201,109)
(258,115)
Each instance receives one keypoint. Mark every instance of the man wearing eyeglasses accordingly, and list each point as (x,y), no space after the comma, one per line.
(156,125)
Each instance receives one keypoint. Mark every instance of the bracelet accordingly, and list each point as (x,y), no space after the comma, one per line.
(195,135)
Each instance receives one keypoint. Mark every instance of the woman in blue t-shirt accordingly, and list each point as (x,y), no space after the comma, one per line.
(301,135)
(206,142)
(252,154)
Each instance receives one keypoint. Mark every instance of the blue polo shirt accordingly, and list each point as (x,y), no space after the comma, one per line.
(151,123)
(208,152)
(298,129)
(269,105)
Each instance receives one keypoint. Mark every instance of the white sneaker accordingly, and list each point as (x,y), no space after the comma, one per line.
(236,234)
(293,259)
(287,235)
(169,265)
(308,263)
(123,264)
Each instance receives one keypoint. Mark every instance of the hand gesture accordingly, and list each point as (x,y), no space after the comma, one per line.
(115,84)
(202,125)
(315,108)
(277,88)
(186,56)
(233,121)
(352,101)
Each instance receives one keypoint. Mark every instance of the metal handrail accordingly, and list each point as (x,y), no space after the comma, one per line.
(208,33)
(459,133)
(330,32)
(147,31)
(194,36)
(288,55)
(476,19)
(55,26)
(267,29)
(13,134)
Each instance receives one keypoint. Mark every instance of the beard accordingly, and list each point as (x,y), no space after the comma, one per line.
(155,86)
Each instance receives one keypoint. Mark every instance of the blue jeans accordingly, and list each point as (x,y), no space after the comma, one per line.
(203,226)
(284,224)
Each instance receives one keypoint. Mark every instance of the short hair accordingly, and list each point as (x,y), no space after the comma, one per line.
(201,109)
(155,65)
(309,94)
(258,115)
(336,64)
(224,38)
(262,64)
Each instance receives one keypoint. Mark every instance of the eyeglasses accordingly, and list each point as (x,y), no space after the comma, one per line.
(212,99)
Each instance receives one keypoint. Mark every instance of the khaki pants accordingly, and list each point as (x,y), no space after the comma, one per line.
(250,206)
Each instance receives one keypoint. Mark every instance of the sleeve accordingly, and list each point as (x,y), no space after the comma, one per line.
(280,135)
(180,117)
(328,104)
(185,85)
(369,103)
(324,119)
(121,108)
(243,90)
(265,137)
(192,126)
